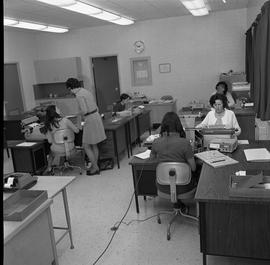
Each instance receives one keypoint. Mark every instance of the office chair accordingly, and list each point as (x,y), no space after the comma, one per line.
(65,136)
(170,176)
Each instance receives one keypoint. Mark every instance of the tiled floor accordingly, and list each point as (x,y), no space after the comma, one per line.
(97,202)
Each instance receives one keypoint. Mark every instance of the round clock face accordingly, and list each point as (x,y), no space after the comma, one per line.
(139,46)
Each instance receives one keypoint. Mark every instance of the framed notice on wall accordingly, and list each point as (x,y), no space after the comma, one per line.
(141,74)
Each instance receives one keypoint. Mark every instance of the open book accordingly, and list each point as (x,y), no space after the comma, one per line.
(215,158)
(257,155)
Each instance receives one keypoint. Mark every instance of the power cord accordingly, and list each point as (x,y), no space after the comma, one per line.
(115,227)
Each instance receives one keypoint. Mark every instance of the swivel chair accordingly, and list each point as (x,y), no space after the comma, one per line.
(66,137)
(170,176)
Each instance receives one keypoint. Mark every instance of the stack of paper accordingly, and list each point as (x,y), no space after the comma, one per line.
(215,159)
(144,155)
(257,155)
(26,144)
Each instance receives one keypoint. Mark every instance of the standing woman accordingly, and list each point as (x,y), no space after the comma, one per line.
(93,130)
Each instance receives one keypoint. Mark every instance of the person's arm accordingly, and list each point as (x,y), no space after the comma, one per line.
(71,126)
(236,125)
(49,137)
(190,157)
(205,122)
(82,104)
(153,154)
(192,164)
(230,99)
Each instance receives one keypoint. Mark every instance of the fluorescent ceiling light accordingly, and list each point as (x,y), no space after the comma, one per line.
(87,9)
(33,25)
(58,2)
(104,15)
(10,22)
(199,12)
(195,4)
(83,8)
(123,21)
(55,29)
(29,25)
(196,7)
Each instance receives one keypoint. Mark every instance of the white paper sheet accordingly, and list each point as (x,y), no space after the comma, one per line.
(144,155)
(26,144)
(257,155)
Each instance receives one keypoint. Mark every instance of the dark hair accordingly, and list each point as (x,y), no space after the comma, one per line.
(72,83)
(221,97)
(172,123)
(124,96)
(51,119)
(223,84)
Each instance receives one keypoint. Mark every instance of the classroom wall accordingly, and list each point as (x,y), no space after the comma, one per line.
(20,47)
(198,49)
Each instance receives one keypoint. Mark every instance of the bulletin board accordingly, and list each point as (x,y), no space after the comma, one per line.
(141,74)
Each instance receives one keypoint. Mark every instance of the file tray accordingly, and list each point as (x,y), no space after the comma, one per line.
(251,186)
(22,203)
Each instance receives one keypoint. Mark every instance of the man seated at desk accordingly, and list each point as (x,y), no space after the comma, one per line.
(122,103)
(220,116)
(172,146)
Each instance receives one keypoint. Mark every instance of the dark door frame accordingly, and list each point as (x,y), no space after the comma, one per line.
(92,72)
(20,83)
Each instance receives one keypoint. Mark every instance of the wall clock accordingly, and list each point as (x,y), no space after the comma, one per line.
(139,46)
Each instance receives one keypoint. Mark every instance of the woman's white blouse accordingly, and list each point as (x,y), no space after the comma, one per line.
(228,120)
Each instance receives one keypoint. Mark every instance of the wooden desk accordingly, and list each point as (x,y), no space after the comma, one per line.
(31,241)
(233,226)
(144,178)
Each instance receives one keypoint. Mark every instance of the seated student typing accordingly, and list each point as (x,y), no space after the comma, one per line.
(54,122)
(220,116)
(172,146)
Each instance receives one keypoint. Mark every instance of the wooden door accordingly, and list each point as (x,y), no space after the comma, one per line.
(105,71)
(13,102)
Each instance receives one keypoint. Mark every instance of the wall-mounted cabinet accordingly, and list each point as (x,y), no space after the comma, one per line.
(57,70)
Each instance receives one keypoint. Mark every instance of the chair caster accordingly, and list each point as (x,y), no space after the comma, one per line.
(168,237)
(158,220)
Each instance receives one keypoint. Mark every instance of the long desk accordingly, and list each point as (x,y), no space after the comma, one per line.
(233,226)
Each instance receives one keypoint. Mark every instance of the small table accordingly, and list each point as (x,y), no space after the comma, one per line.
(54,185)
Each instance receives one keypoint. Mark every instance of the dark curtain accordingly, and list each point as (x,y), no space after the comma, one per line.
(248,53)
(259,68)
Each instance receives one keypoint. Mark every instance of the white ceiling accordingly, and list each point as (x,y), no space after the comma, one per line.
(139,10)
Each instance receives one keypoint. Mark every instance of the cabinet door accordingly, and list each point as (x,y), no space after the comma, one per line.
(57,70)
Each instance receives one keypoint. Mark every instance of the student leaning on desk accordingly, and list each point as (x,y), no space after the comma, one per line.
(173,146)
(220,116)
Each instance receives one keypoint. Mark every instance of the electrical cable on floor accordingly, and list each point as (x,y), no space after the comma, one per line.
(115,228)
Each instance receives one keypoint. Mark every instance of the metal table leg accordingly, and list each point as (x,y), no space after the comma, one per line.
(64,193)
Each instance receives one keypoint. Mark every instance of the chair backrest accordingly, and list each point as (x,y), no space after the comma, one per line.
(64,136)
(173,174)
